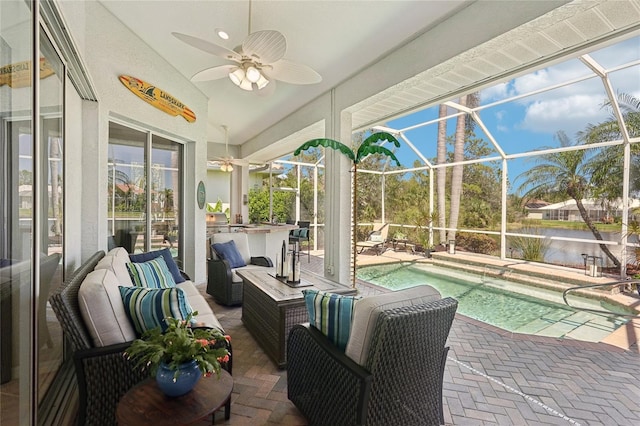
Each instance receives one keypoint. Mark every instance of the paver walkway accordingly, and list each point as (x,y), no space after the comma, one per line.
(492,377)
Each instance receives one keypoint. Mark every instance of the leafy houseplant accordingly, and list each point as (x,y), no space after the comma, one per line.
(180,344)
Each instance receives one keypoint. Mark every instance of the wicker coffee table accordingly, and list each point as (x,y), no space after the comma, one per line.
(270,308)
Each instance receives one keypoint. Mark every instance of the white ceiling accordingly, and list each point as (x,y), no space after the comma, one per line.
(339,39)
(335,38)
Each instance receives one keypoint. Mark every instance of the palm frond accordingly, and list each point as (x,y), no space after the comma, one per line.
(326,143)
(376,149)
(365,148)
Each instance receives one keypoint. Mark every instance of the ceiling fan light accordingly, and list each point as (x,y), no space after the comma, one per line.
(229,167)
(237,75)
(246,85)
(262,82)
(253,74)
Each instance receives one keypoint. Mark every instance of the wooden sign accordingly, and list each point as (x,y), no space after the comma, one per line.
(19,74)
(158,98)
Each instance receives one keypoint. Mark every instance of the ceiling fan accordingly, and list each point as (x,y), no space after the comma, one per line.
(226,163)
(256,63)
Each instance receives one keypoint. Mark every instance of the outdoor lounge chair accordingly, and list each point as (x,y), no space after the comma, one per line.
(392,370)
(376,240)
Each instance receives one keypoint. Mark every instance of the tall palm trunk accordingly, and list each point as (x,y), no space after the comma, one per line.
(442,173)
(587,220)
(456,173)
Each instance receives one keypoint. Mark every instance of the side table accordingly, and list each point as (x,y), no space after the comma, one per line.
(145,404)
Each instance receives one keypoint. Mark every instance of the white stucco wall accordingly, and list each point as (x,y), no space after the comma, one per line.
(109,49)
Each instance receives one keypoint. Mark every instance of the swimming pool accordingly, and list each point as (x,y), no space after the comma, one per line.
(511,306)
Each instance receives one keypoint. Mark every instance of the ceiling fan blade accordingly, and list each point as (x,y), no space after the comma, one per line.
(213,73)
(265,47)
(239,162)
(208,47)
(292,72)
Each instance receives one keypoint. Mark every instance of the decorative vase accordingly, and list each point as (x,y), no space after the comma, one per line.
(186,378)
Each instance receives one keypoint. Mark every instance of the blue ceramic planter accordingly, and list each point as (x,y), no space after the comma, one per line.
(187,377)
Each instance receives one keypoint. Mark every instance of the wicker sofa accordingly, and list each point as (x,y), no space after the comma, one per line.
(92,319)
(391,371)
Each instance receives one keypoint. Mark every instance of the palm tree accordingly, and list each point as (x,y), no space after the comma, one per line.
(365,149)
(607,169)
(564,173)
(456,172)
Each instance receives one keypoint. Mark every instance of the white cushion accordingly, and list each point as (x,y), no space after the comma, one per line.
(368,309)
(199,303)
(241,240)
(116,261)
(102,309)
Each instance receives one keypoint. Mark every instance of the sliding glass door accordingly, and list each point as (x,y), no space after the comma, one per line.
(31,212)
(144,190)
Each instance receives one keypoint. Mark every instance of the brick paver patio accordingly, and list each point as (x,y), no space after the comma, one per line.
(492,377)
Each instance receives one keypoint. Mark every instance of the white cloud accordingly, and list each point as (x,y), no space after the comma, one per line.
(494,93)
(568,108)
(569,114)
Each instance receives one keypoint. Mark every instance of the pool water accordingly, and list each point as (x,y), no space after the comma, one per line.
(511,306)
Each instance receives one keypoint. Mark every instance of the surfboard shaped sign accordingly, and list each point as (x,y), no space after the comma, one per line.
(158,98)
(19,74)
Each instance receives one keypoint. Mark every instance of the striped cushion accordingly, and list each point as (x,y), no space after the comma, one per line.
(331,314)
(152,274)
(148,307)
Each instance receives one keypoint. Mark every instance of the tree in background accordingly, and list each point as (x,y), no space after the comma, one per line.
(607,167)
(456,172)
(259,205)
(566,173)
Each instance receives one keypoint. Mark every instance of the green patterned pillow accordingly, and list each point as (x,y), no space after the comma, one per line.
(331,314)
(152,274)
(148,307)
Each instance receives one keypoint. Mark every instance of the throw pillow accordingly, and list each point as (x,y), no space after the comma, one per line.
(376,238)
(148,307)
(168,258)
(300,233)
(229,252)
(331,314)
(152,274)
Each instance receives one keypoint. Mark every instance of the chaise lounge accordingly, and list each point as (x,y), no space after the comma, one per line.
(376,240)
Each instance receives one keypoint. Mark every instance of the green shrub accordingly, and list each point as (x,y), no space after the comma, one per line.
(476,243)
(533,249)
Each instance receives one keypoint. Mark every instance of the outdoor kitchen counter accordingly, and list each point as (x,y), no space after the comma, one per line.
(265,239)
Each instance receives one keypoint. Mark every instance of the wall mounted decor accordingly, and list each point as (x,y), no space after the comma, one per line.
(158,98)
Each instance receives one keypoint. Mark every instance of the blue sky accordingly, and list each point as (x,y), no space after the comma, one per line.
(531,122)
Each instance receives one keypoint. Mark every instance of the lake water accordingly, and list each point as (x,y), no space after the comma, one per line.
(570,252)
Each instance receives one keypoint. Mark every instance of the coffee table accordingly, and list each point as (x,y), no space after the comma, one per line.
(270,308)
(145,404)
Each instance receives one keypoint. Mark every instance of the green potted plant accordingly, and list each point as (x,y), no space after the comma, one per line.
(181,355)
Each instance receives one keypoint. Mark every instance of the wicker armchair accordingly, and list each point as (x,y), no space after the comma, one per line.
(103,374)
(222,282)
(401,382)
